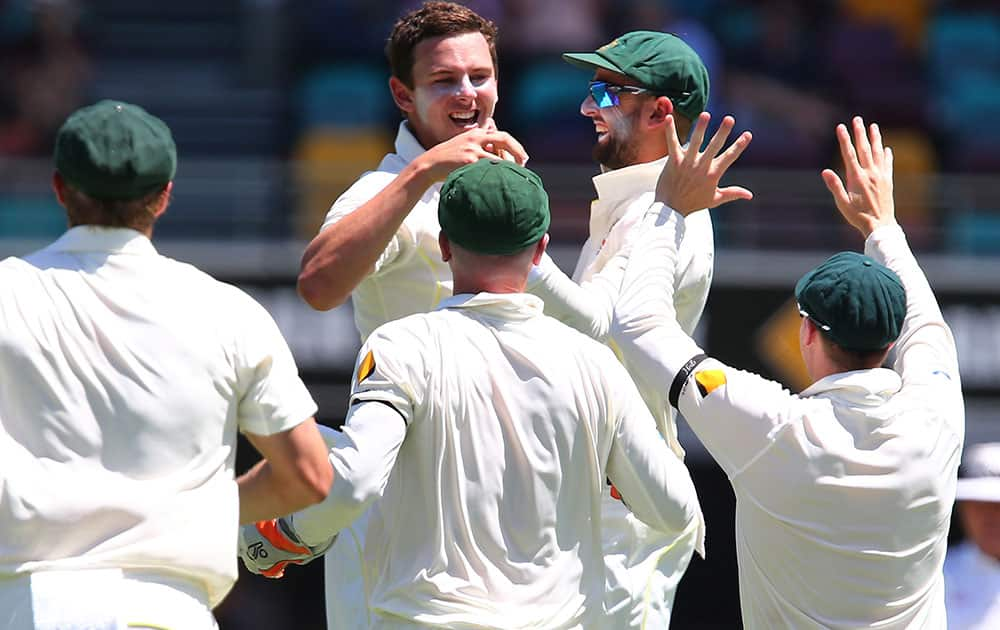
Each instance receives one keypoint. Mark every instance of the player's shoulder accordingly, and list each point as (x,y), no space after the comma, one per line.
(571,340)
(370,183)
(16,272)
(415,330)
(209,290)
(14,265)
(357,194)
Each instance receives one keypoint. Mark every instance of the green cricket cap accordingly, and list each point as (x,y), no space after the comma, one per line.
(115,150)
(660,62)
(493,207)
(858,303)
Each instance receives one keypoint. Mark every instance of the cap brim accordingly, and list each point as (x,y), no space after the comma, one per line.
(589,61)
(978,489)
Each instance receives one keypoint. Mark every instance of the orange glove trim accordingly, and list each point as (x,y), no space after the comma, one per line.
(271,531)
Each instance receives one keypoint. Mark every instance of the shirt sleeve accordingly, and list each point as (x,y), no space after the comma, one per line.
(362,454)
(390,370)
(925,354)
(272,397)
(733,413)
(360,193)
(386,391)
(586,307)
(695,269)
(652,480)
(589,306)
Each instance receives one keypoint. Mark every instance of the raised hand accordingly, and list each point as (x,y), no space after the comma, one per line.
(467,147)
(866,201)
(499,151)
(690,178)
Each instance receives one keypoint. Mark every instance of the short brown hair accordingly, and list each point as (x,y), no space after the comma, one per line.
(851,360)
(138,214)
(433,19)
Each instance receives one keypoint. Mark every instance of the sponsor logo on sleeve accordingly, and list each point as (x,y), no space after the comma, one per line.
(709,380)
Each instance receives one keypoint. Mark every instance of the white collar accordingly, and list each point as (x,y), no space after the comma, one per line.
(864,388)
(621,184)
(99,238)
(511,306)
(407,145)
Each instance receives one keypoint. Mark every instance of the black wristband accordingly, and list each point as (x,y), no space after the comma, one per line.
(682,376)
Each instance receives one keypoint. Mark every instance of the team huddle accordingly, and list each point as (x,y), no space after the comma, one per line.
(510,455)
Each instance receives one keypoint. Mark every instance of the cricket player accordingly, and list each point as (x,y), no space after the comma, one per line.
(639,79)
(844,491)
(379,243)
(488,430)
(124,378)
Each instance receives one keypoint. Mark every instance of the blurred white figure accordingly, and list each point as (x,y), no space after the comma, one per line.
(972,568)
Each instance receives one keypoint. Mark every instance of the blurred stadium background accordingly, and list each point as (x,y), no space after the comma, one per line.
(277,105)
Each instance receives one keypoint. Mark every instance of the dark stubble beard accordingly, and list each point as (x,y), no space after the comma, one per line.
(617,151)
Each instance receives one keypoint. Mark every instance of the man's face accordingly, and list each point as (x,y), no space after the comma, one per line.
(617,126)
(454,87)
(981,522)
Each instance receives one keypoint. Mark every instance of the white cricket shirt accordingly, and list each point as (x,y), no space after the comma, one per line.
(645,565)
(493,430)
(409,276)
(124,376)
(843,492)
(623,197)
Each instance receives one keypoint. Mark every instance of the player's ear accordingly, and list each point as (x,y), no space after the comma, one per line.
(402,95)
(540,249)
(808,333)
(662,107)
(59,188)
(164,199)
(445,246)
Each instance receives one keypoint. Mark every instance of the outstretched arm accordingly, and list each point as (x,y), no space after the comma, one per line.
(925,351)
(589,307)
(362,456)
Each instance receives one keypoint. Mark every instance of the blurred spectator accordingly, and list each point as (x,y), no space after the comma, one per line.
(774,82)
(323,31)
(972,569)
(908,18)
(46,70)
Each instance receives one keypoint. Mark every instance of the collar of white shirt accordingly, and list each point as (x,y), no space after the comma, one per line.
(618,186)
(407,145)
(510,306)
(97,238)
(864,388)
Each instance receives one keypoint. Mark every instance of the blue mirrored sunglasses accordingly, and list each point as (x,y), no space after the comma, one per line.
(606,94)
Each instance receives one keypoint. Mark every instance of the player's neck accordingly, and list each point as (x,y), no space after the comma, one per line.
(495,284)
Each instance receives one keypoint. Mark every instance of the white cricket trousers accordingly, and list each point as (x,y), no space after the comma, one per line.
(102,599)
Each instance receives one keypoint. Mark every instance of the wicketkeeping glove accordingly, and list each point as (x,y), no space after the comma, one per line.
(267,547)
